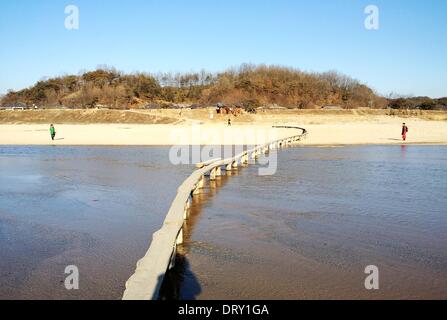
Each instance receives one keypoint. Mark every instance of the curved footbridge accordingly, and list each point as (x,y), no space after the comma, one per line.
(146,282)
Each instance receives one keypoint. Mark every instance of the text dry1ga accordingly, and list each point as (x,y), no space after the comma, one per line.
(226,309)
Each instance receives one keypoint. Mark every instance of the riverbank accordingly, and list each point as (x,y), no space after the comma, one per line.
(192,127)
(421,132)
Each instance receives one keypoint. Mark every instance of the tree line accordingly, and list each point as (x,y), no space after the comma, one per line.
(247,86)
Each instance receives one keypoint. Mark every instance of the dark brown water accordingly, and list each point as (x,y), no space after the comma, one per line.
(309,231)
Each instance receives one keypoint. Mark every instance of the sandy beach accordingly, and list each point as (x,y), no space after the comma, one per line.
(200,127)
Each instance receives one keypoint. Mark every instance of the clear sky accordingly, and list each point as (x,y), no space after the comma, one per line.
(407,55)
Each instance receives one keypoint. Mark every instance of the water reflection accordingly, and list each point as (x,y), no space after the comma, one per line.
(180,281)
(403,150)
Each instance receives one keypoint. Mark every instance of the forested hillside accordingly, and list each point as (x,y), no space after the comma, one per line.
(246,86)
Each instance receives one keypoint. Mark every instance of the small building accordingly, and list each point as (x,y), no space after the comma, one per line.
(14,106)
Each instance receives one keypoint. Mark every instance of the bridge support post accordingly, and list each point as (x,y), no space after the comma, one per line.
(179,237)
(201,182)
(185,212)
(255,154)
(199,186)
(174,254)
(188,203)
(213,174)
(244,159)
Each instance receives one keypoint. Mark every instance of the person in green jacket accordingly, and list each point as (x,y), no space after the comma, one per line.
(52,131)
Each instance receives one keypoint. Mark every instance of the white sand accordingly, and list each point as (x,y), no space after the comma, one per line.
(384,131)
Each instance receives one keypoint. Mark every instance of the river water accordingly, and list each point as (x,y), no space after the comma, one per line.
(310,230)
(306,232)
(92,207)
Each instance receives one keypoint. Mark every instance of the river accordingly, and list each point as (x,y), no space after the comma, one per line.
(306,232)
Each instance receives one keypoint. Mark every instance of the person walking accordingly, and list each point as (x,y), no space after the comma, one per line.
(404,132)
(52,131)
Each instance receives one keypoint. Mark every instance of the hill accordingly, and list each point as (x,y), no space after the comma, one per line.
(248,86)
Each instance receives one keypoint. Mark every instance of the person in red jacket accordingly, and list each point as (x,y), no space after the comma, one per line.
(404,131)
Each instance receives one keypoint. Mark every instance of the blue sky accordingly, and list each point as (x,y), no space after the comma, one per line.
(407,55)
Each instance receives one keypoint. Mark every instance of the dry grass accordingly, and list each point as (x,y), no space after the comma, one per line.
(172,116)
(79,117)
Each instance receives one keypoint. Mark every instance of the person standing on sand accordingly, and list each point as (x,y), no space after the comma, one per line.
(52,131)
(404,131)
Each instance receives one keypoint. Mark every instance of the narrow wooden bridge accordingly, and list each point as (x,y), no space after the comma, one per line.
(146,282)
